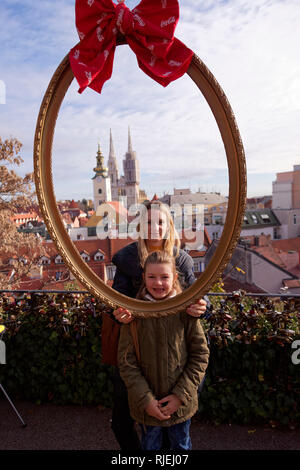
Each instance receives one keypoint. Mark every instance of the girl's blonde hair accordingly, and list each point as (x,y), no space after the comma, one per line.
(169,242)
(159,257)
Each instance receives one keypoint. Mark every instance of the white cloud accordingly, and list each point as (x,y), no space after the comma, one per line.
(252,48)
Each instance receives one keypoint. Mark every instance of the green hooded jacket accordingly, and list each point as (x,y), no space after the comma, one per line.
(173,359)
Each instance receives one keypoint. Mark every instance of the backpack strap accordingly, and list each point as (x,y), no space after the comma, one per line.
(133,330)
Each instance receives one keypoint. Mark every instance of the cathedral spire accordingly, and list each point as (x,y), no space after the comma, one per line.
(113,172)
(129,141)
(111,147)
(130,154)
(131,166)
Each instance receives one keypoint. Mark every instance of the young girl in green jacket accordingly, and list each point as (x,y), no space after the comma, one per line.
(162,361)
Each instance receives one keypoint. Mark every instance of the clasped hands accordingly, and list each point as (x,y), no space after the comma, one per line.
(195,310)
(164,408)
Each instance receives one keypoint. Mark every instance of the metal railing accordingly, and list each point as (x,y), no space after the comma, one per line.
(212,294)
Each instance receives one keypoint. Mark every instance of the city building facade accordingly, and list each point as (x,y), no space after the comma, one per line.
(286,202)
(108,185)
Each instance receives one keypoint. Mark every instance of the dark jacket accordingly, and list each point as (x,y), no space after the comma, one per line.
(128,277)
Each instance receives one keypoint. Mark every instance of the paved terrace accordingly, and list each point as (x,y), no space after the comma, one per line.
(55,427)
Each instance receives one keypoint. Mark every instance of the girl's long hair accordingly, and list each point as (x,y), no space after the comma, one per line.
(159,257)
(170,242)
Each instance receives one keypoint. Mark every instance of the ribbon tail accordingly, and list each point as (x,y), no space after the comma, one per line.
(105,74)
(91,72)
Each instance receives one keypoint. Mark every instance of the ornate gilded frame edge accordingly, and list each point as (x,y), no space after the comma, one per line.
(227,125)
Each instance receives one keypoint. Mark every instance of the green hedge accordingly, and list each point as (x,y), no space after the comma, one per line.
(53,350)
(251,377)
(53,353)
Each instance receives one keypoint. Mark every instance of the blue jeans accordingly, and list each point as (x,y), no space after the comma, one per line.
(178,434)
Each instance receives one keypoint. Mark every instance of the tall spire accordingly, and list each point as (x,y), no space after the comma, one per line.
(113,172)
(111,147)
(129,141)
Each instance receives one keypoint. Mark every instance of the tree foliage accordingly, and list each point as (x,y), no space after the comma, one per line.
(19,252)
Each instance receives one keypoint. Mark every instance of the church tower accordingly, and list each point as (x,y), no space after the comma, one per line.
(101,181)
(113,171)
(131,174)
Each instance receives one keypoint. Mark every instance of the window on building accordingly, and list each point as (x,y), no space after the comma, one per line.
(92,231)
(196,266)
(276,234)
(254,218)
(99,257)
(99,191)
(85,257)
(110,272)
(58,260)
(265,218)
(295,219)
(217,219)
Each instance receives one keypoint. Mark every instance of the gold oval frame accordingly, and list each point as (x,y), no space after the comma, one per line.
(43,141)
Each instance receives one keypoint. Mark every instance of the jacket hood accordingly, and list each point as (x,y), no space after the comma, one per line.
(147,296)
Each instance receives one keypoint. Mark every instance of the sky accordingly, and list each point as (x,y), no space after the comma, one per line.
(250,46)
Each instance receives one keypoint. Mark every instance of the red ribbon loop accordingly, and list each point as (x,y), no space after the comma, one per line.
(148,29)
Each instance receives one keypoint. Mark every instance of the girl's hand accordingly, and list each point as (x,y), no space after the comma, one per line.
(123,315)
(198,309)
(172,404)
(153,409)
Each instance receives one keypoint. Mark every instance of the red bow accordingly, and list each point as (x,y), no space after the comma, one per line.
(148,29)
